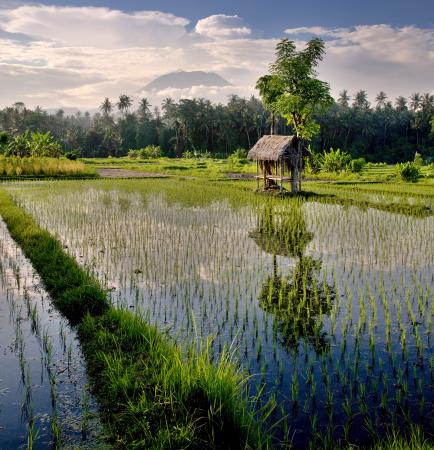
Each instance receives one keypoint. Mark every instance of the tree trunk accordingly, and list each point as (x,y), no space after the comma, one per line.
(294,179)
(273,124)
(296,171)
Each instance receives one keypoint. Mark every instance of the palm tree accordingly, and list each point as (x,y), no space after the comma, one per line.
(344,98)
(401,104)
(381,99)
(145,109)
(427,103)
(106,107)
(361,100)
(124,104)
(415,100)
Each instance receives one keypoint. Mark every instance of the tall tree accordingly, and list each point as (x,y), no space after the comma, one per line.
(361,100)
(381,99)
(344,98)
(106,107)
(303,94)
(124,104)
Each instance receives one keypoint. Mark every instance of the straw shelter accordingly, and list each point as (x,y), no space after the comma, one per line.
(278,159)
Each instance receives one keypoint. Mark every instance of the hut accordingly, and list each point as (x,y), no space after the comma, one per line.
(278,160)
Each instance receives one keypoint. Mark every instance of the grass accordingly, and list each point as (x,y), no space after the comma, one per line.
(219,169)
(18,168)
(416,440)
(346,302)
(153,394)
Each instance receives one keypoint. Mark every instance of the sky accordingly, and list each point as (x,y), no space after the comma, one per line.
(73,53)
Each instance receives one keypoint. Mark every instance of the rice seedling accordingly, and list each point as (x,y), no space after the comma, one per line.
(26,321)
(321,284)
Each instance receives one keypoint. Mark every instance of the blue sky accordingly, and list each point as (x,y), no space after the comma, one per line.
(76,52)
(273,15)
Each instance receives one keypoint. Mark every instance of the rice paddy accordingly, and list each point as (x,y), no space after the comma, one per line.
(328,307)
(44,399)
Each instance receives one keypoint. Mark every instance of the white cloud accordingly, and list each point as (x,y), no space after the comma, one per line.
(76,56)
(221,26)
(380,57)
(94,27)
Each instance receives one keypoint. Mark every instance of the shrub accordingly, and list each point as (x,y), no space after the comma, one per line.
(313,162)
(4,139)
(418,160)
(240,153)
(357,165)
(72,155)
(335,161)
(35,144)
(408,171)
(150,151)
(188,154)
(133,154)
(430,171)
(205,154)
(239,156)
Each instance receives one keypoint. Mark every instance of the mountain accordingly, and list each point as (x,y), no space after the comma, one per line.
(184,80)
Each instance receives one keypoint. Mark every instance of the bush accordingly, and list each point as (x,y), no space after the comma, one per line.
(335,161)
(35,144)
(430,171)
(188,154)
(240,153)
(72,156)
(239,156)
(150,151)
(418,160)
(133,154)
(313,162)
(408,171)
(4,139)
(357,165)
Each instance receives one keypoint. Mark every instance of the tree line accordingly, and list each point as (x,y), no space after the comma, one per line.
(387,131)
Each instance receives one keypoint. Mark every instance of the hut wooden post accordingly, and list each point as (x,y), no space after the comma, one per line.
(257,175)
(281,176)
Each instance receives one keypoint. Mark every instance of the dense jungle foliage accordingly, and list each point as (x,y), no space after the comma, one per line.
(382,132)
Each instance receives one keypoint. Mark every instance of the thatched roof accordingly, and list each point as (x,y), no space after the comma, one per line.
(272,148)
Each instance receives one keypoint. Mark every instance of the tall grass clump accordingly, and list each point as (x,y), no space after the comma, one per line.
(41,167)
(153,395)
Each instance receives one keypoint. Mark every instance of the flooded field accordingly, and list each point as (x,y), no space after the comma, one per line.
(44,400)
(329,308)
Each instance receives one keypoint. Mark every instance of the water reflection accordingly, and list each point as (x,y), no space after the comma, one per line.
(297,300)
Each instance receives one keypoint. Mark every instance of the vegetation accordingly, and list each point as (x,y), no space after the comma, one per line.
(12,167)
(293,91)
(388,131)
(327,298)
(408,171)
(32,145)
(149,152)
(153,394)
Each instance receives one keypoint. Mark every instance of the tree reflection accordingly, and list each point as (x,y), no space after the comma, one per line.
(298,300)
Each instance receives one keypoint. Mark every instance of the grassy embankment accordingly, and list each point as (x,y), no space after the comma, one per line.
(19,168)
(218,169)
(152,394)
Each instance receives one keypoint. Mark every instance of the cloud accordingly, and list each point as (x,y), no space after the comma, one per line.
(76,56)
(94,27)
(399,60)
(221,26)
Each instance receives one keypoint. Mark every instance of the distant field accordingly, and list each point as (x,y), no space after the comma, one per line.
(222,169)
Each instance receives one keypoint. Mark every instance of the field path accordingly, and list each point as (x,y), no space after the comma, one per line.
(125,173)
